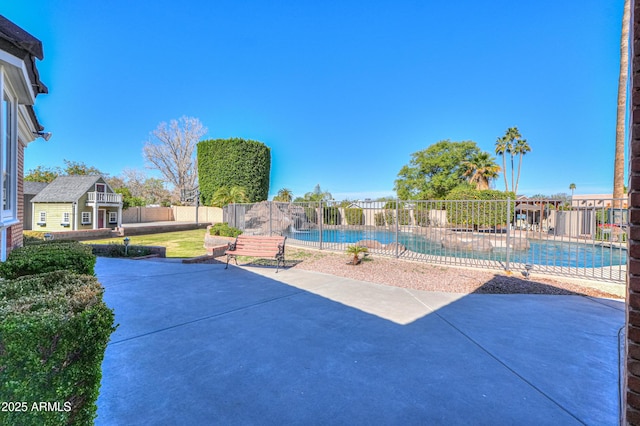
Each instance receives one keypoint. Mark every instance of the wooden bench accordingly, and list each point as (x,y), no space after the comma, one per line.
(257,246)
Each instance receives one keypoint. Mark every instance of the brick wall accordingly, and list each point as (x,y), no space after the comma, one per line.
(631,413)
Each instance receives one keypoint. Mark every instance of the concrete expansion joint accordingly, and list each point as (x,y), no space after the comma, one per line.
(490,354)
(204,318)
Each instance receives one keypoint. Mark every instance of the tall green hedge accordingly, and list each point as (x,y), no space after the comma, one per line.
(234,162)
(54,330)
(481,212)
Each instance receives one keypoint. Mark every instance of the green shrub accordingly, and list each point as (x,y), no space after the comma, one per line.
(49,256)
(354,216)
(474,207)
(118,250)
(234,162)
(331,215)
(378,219)
(390,217)
(224,230)
(54,329)
(404,216)
(421,216)
(312,214)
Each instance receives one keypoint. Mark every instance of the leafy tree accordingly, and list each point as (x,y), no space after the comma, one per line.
(481,169)
(285,195)
(128,200)
(234,162)
(42,174)
(78,168)
(618,170)
(171,151)
(435,171)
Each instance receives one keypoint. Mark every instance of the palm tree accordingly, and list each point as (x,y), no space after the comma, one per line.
(481,169)
(318,195)
(572,187)
(618,169)
(507,145)
(502,146)
(521,148)
(355,250)
(225,195)
(512,135)
(284,195)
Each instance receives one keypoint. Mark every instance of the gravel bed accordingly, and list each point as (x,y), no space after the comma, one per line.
(423,276)
(431,277)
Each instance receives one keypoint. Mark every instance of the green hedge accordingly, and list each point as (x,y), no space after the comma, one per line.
(331,216)
(354,216)
(234,162)
(482,213)
(49,256)
(54,329)
(224,230)
(378,219)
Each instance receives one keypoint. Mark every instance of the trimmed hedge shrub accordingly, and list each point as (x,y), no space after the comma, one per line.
(378,219)
(234,162)
(331,215)
(470,213)
(354,216)
(54,329)
(49,256)
(224,230)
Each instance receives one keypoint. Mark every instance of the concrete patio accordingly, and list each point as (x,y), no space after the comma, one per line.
(198,345)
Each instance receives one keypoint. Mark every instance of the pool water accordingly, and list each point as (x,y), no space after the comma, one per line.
(549,253)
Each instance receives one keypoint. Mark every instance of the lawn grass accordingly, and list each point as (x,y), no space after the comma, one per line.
(178,244)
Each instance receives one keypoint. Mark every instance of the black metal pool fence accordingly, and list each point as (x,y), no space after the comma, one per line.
(578,237)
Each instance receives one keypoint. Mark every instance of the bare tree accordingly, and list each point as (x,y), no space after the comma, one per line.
(172,151)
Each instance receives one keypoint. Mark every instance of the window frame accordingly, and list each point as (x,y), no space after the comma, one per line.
(84,221)
(8,152)
(42,218)
(113,218)
(66,218)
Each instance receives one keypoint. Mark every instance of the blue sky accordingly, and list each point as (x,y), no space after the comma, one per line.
(341,91)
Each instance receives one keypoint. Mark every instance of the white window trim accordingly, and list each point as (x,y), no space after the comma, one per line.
(9,216)
(65,219)
(86,221)
(113,217)
(42,218)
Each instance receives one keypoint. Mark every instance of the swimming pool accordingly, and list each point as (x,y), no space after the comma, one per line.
(540,252)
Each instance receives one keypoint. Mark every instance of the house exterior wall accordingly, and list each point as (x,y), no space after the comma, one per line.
(54,213)
(14,233)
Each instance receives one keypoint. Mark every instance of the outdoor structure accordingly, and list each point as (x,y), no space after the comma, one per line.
(71,203)
(31,189)
(19,85)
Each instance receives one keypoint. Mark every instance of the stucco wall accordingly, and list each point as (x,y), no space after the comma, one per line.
(147,214)
(205,214)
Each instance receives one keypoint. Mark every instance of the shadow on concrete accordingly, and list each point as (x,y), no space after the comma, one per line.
(198,344)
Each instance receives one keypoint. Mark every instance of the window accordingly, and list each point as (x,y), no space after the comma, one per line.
(8,157)
(42,220)
(86,218)
(65,218)
(113,217)
(101,187)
